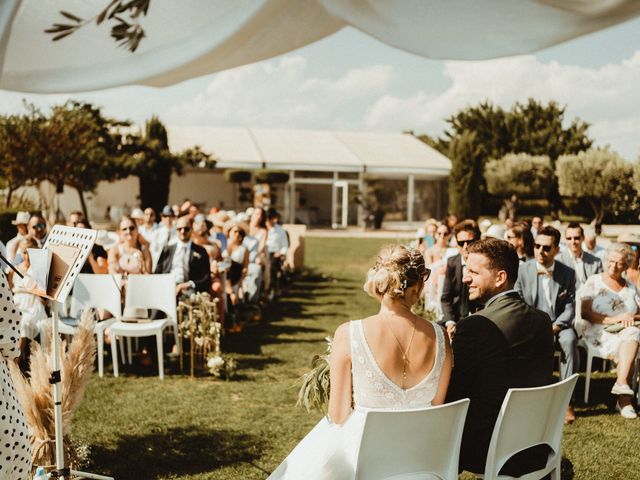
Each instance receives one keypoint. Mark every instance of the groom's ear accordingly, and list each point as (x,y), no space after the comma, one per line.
(501,278)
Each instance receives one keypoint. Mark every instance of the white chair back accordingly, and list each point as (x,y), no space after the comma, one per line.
(156,291)
(416,444)
(530,417)
(96,291)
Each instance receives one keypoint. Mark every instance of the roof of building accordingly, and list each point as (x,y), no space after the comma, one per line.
(313,150)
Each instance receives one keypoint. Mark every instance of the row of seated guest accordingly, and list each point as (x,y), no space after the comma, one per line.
(549,282)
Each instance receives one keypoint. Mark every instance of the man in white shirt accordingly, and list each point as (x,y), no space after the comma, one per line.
(149,225)
(536,225)
(550,286)
(582,262)
(590,245)
(277,246)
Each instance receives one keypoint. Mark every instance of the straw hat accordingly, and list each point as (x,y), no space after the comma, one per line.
(232,223)
(22,218)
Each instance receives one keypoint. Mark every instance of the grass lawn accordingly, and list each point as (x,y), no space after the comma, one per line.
(138,427)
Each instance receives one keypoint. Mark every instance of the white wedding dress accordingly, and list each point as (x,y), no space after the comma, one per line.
(329,451)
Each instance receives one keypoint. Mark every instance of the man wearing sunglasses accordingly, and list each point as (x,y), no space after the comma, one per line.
(188,262)
(455,294)
(550,286)
(582,262)
(37,228)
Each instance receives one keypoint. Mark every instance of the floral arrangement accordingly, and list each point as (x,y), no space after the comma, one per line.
(221,367)
(204,316)
(314,388)
(198,321)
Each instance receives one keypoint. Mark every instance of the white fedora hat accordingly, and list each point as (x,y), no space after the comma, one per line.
(22,218)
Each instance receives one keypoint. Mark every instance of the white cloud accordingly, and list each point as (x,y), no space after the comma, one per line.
(281,94)
(606,97)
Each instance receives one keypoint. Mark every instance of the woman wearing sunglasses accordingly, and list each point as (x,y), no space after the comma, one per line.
(129,256)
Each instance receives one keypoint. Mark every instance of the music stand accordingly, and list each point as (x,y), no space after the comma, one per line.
(63,276)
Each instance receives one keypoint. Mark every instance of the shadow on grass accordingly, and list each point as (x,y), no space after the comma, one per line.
(176,451)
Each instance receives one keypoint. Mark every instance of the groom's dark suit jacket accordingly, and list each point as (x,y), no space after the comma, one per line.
(507,344)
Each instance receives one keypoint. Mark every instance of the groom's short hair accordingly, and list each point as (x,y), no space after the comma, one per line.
(500,254)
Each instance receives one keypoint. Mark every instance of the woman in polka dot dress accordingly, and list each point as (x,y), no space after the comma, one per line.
(15,452)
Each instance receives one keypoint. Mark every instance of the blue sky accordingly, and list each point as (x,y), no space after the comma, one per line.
(350,81)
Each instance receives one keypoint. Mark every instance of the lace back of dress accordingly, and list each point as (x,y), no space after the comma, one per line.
(372,388)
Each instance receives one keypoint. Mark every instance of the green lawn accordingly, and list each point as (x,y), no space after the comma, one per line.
(138,427)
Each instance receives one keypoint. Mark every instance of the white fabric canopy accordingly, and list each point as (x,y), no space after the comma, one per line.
(190,38)
(314,150)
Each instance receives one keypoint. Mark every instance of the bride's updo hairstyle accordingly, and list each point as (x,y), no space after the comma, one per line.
(397,269)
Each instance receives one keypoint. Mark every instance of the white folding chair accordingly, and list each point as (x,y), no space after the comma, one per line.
(530,417)
(157,292)
(98,292)
(412,444)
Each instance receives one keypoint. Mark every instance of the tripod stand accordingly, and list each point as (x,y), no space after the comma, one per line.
(82,240)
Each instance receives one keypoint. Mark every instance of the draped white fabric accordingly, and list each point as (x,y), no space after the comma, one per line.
(190,38)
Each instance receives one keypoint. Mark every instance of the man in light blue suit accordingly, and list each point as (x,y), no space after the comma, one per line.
(550,286)
(582,262)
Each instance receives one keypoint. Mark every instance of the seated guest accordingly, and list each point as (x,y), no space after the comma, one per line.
(37,229)
(74,218)
(455,295)
(609,302)
(238,254)
(128,256)
(164,235)
(550,286)
(30,305)
(188,262)
(522,240)
(507,344)
(536,224)
(21,221)
(149,226)
(97,261)
(590,244)
(200,237)
(440,250)
(582,262)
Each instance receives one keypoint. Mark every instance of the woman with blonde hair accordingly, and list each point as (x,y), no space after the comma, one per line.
(129,256)
(610,312)
(393,360)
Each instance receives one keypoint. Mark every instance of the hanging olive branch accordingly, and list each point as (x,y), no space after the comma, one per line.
(122,14)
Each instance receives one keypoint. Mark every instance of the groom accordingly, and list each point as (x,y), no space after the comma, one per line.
(507,344)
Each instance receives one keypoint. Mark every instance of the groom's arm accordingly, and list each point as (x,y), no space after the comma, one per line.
(465,360)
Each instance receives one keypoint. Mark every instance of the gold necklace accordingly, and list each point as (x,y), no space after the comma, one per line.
(405,353)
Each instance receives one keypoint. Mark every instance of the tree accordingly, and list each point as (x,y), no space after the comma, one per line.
(148,157)
(20,150)
(531,128)
(602,178)
(81,148)
(519,173)
(465,178)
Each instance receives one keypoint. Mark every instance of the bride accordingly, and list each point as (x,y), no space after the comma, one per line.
(393,360)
